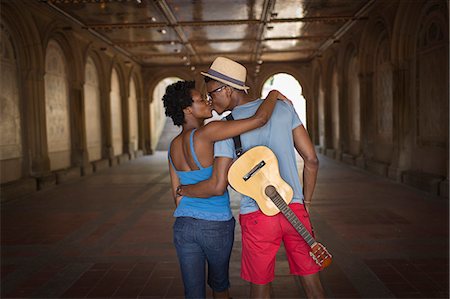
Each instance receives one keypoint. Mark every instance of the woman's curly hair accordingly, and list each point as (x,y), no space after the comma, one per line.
(178,96)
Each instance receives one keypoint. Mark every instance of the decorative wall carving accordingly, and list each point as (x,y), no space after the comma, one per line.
(116,114)
(432,108)
(92,111)
(10,118)
(56,107)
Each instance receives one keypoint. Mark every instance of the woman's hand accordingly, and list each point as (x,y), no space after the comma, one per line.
(284,98)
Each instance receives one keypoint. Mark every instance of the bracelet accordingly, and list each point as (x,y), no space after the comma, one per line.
(179,190)
(308,202)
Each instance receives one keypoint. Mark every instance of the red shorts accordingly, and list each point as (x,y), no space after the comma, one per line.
(261,239)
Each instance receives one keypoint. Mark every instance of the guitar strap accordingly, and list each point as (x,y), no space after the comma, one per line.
(236,139)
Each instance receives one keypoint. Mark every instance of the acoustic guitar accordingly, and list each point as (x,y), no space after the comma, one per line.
(256,174)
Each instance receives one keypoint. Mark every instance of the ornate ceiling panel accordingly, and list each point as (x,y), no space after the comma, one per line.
(190,32)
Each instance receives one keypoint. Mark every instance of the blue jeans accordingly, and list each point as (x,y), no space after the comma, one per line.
(199,241)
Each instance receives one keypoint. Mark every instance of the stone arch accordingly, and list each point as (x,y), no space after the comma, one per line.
(332,120)
(116,110)
(11,116)
(133,119)
(30,60)
(293,90)
(319,98)
(159,75)
(351,101)
(90,52)
(377,70)
(57,106)
(136,75)
(370,38)
(430,116)
(301,77)
(92,106)
(73,54)
(383,98)
(294,72)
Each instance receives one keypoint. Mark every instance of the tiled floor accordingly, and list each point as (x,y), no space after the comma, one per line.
(109,235)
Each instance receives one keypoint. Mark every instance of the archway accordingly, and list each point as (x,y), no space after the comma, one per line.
(161,127)
(291,88)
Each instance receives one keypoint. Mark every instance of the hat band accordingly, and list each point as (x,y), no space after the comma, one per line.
(225,77)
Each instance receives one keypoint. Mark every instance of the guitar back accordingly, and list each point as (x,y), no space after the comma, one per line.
(252,172)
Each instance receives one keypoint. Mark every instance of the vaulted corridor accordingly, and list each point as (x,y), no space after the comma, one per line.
(86,209)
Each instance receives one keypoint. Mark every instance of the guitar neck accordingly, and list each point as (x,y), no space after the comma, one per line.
(293,219)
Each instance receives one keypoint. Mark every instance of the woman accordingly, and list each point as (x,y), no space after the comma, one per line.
(204,228)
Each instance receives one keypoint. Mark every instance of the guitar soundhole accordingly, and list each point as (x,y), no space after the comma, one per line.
(271,191)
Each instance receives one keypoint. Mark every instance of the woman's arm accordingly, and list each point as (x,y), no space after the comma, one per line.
(175,181)
(220,130)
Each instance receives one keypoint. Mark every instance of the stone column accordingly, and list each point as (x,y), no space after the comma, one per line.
(146,138)
(402,131)
(366,110)
(141,122)
(108,151)
(80,155)
(36,133)
(127,147)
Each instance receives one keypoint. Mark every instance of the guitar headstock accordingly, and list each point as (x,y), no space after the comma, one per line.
(320,255)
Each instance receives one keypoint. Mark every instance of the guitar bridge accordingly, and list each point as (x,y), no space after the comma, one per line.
(254,170)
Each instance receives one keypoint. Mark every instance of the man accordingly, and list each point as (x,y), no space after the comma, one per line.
(261,234)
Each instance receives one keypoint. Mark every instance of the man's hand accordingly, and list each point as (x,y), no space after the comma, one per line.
(307,206)
(178,200)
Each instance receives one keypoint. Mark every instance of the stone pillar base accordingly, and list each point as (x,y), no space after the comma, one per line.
(424,181)
(443,188)
(67,175)
(100,164)
(46,181)
(17,189)
(348,159)
(377,167)
(123,158)
(331,153)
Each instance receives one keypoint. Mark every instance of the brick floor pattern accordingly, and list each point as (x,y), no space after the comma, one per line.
(109,235)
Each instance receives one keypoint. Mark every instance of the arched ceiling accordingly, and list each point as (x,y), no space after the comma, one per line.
(189,33)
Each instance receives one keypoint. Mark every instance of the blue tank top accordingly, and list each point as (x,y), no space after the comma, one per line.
(215,208)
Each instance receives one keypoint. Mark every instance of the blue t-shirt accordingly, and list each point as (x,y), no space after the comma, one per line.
(277,135)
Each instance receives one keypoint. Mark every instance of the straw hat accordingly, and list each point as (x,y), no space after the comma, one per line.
(229,72)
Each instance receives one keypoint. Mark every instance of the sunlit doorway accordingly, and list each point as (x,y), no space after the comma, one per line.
(162,128)
(291,88)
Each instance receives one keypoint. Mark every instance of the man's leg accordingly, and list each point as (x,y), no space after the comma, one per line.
(312,286)
(297,250)
(260,290)
(261,239)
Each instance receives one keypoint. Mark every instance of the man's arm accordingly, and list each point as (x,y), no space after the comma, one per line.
(175,181)
(306,149)
(215,185)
